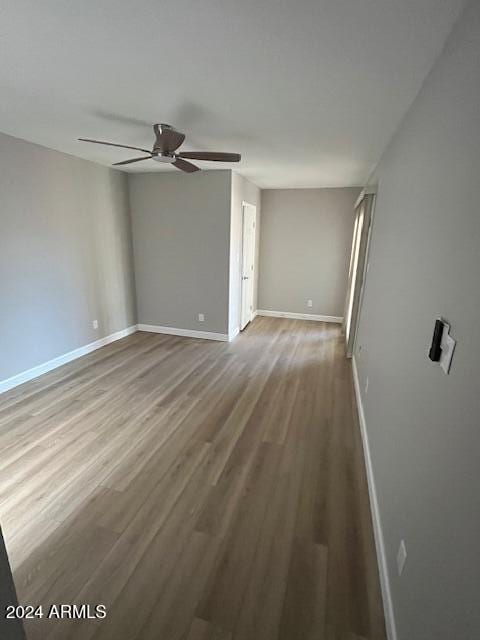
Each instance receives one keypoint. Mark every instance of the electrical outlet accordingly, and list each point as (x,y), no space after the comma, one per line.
(95,324)
(401,557)
(309,303)
(201,317)
(366,385)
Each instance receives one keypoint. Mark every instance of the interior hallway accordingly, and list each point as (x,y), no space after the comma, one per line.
(198,489)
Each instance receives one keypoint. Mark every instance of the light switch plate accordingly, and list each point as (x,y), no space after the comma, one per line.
(448,347)
(401,557)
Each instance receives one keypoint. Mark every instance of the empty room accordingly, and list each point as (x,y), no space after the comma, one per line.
(239,263)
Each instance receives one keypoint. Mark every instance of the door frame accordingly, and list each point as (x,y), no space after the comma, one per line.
(244,320)
(356,287)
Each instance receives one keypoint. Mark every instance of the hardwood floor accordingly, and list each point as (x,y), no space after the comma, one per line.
(199,490)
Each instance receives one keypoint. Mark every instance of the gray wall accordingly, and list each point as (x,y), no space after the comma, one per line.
(65,254)
(305,245)
(181,230)
(424,426)
(242,191)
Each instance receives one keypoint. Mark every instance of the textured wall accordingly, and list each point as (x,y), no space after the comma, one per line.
(181,230)
(305,244)
(65,254)
(423,426)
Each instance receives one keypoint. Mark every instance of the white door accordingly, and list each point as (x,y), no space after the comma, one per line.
(248,262)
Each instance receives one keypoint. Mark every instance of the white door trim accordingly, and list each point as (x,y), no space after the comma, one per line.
(246,304)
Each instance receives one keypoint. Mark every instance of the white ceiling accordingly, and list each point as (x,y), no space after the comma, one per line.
(309,91)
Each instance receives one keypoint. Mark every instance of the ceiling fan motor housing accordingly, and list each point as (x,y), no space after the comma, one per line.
(163,157)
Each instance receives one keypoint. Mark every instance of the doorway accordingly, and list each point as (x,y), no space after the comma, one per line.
(249,223)
(358,266)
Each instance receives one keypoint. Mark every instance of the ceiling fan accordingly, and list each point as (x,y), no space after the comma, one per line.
(167,141)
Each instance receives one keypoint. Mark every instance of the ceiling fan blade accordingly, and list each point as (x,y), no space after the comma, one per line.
(114,144)
(211,155)
(183,165)
(132,160)
(168,139)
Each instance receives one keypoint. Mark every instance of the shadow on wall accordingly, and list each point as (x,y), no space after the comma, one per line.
(115,290)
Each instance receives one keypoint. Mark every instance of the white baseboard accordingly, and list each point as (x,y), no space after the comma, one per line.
(298,316)
(377,523)
(187,333)
(40,369)
(233,334)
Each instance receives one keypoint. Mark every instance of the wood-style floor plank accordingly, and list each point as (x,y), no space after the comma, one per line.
(199,490)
